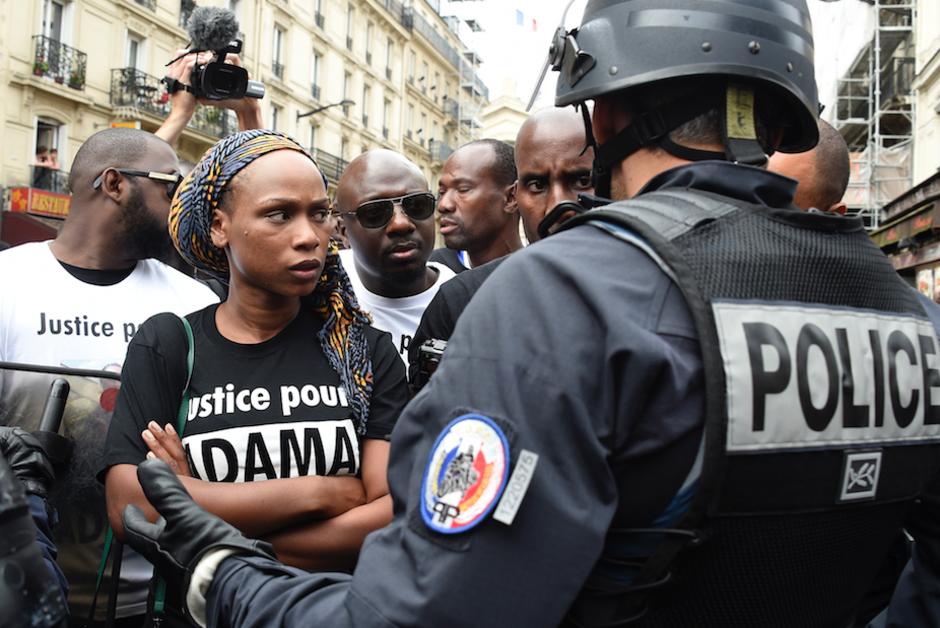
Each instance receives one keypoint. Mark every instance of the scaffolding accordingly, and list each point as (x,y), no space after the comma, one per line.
(875,111)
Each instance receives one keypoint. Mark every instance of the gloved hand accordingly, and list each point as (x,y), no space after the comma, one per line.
(28,460)
(184,533)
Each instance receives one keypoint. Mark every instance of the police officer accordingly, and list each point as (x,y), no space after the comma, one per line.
(699,407)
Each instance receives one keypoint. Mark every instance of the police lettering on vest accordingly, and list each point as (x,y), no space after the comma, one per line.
(818,377)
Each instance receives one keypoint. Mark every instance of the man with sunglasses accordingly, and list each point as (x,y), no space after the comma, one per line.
(388,211)
(76,301)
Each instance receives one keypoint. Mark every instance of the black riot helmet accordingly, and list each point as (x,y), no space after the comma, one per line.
(755,55)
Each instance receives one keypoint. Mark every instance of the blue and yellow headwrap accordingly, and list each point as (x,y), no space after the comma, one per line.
(341,337)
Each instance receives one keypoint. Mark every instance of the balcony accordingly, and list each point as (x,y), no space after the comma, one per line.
(149,4)
(315,92)
(141,92)
(43,178)
(451,108)
(319,19)
(439,150)
(277,69)
(61,63)
(330,165)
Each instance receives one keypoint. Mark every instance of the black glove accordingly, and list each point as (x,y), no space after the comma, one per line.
(184,533)
(27,459)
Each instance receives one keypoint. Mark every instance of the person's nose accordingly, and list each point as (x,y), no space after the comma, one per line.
(445,202)
(558,192)
(400,222)
(306,236)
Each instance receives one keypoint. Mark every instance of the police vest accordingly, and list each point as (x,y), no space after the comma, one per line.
(822,417)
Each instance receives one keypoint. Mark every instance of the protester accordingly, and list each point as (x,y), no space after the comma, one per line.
(822,172)
(276,373)
(553,163)
(53,161)
(384,203)
(476,204)
(76,301)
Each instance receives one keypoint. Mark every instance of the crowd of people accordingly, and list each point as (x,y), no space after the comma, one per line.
(696,396)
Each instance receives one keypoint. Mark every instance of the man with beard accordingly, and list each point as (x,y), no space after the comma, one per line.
(75,302)
(388,211)
(552,166)
(477,206)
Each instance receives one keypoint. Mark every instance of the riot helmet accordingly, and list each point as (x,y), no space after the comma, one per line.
(755,57)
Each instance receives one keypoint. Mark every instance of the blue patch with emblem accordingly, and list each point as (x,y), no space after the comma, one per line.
(466,474)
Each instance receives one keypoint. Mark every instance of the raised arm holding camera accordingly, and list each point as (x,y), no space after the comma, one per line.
(196,77)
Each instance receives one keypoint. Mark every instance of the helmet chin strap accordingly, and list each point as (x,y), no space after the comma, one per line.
(652,128)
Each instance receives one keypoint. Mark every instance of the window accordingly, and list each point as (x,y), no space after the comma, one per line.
(421,132)
(134,57)
(436,84)
(50,136)
(347,80)
(53,13)
(386,107)
(412,59)
(343,148)
(313,139)
(276,66)
(315,76)
(366,98)
(350,12)
(276,115)
(410,121)
(424,79)
(389,51)
(318,13)
(434,131)
(369,28)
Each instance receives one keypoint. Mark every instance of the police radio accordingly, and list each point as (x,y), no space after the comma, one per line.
(430,354)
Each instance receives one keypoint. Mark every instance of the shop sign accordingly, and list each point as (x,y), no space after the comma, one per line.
(39,202)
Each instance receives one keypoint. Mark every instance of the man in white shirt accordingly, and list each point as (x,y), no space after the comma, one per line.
(76,302)
(388,210)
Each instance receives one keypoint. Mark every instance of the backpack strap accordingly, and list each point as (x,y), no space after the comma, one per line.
(110,542)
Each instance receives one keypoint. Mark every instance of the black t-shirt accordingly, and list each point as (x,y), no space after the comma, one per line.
(441,314)
(448,258)
(270,410)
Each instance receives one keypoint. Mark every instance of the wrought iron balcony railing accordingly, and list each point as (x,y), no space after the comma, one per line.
(150,4)
(143,92)
(49,179)
(439,150)
(451,108)
(330,165)
(59,62)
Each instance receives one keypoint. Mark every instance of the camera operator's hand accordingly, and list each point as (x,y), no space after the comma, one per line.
(184,533)
(28,460)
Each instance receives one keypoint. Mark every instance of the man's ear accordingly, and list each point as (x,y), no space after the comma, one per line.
(218,231)
(114,185)
(510,196)
(838,208)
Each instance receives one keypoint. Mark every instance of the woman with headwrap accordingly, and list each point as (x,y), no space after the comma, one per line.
(289,382)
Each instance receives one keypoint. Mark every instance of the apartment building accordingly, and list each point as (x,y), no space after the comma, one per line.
(342,76)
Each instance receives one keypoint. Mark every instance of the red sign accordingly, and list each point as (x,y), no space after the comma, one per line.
(39,202)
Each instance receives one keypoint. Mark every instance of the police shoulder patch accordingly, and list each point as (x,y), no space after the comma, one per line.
(465,475)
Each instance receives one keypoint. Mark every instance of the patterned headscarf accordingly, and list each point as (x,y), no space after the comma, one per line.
(341,337)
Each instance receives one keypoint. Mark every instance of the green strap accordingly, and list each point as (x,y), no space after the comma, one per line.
(160,591)
(159,594)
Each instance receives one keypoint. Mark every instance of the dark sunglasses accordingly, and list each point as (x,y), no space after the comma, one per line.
(171,181)
(378,213)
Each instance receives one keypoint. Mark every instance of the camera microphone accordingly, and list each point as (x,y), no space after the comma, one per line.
(212,28)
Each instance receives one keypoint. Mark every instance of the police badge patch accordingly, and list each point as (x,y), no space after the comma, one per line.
(466,474)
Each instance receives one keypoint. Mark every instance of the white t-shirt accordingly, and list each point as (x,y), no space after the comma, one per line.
(399,317)
(49,317)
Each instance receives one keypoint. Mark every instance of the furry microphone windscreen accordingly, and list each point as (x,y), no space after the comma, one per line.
(212,28)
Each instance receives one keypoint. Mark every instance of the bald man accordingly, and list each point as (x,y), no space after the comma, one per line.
(76,301)
(822,173)
(552,167)
(388,212)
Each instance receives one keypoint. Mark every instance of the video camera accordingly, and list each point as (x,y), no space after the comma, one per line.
(215,30)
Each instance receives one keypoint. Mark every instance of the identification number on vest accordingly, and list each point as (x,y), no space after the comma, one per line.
(802,376)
